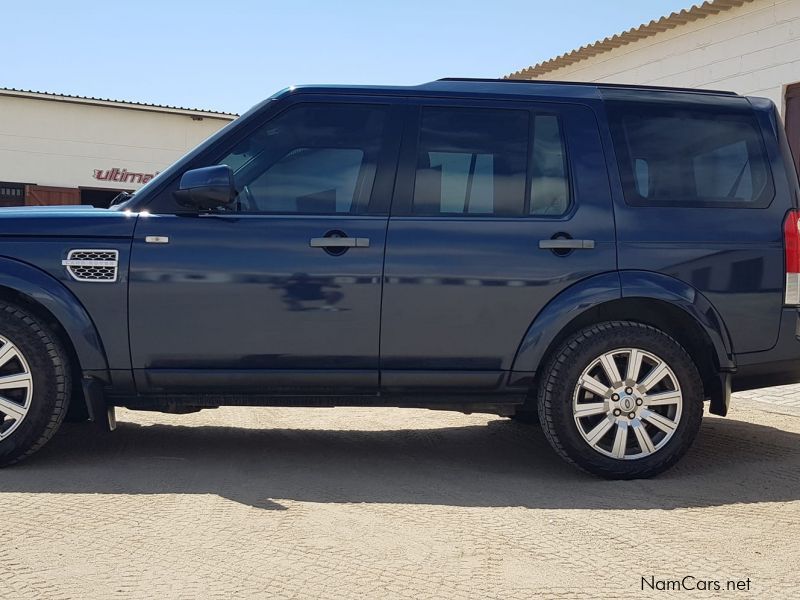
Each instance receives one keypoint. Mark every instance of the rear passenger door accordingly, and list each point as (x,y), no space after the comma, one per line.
(484,193)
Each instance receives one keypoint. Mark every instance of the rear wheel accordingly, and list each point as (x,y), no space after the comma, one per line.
(34,384)
(621,400)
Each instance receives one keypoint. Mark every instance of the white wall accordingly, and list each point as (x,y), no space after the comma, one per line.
(753,49)
(61,143)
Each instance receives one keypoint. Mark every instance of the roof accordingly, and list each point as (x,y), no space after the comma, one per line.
(193,112)
(465,87)
(676,19)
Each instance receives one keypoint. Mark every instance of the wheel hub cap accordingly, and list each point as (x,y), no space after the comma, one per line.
(627,403)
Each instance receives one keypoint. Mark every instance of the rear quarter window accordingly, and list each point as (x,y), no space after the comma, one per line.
(691,157)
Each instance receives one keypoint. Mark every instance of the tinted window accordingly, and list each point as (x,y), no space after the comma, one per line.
(312,159)
(688,157)
(549,183)
(471,162)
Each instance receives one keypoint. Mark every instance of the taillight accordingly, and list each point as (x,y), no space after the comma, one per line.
(791,244)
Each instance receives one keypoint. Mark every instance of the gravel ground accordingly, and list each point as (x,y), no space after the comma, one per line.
(391,503)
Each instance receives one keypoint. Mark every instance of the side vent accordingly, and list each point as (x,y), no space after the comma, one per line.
(91,265)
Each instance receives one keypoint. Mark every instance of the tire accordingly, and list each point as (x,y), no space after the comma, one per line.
(659,405)
(33,412)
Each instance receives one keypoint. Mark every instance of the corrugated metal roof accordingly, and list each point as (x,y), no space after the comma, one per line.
(120,103)
(694,13)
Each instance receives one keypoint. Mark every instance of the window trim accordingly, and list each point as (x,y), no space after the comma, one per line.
(626,173)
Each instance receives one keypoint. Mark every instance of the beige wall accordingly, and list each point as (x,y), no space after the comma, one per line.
(753,50)
(62,142)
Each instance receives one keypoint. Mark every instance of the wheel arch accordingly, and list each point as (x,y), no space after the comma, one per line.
(56,305)
(655,299)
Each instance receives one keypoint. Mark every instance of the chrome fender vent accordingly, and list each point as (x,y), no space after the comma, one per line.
(92,265)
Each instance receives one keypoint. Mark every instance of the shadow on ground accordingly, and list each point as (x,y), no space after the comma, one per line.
(499,464)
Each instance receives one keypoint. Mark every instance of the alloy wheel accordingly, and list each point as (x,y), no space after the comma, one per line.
(627,404)
(16,387)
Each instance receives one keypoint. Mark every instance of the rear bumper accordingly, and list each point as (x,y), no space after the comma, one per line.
(778,366)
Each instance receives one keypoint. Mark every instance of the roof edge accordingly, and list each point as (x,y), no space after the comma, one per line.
(163,108)
(646,30)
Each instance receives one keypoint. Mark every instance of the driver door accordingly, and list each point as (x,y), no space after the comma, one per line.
(281,294)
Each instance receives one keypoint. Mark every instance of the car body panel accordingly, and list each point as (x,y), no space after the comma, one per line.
(41,238)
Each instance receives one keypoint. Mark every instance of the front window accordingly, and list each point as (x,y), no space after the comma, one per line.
(311,159)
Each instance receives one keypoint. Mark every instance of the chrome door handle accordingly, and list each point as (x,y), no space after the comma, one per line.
(566,244)
(339,242)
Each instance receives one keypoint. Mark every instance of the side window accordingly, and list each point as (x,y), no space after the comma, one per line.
(549,181)
(678,156)
(311,159)
(471,162)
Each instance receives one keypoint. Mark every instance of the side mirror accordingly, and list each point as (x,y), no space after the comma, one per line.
(206,188)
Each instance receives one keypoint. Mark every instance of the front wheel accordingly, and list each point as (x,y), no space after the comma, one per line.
(34,383)
(621,399)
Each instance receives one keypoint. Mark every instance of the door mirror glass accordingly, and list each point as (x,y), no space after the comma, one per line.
(206,188)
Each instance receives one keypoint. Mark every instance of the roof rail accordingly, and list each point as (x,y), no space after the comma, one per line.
(627,86)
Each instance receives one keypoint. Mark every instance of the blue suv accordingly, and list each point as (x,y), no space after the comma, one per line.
(601,259)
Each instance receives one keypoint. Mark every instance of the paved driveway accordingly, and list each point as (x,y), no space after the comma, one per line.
(390,503)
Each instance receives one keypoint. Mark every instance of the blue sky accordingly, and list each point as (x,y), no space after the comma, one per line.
(229,55)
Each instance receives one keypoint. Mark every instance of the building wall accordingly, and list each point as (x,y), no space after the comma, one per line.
(753,49)
(62,143)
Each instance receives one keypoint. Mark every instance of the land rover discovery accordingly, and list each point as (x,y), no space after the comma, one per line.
(602,259)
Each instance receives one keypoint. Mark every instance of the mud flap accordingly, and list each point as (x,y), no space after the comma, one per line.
(721,395)
(100,413)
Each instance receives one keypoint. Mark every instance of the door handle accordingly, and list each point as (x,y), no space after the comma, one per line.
(566,244)
(339,242)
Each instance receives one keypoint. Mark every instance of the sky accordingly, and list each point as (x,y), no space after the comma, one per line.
(229,55)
